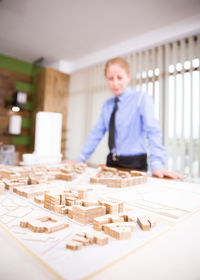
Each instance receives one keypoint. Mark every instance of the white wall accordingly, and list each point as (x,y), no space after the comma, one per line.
(86,98)
(160,36)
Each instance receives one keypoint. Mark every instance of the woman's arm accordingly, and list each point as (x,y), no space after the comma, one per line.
(156,150)
(93,139)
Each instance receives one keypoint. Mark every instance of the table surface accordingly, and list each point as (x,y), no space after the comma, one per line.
(174,254)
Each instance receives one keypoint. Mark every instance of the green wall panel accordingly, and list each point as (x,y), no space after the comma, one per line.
(21,140)
(20,86)
(29,105)
(10,100)
(16,65)
(26,122)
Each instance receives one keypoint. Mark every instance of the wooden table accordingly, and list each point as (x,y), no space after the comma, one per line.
(175,254)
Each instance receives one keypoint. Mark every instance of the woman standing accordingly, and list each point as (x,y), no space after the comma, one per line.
(129,118)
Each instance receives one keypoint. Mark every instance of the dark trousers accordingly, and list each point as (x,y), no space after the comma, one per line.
(138,162)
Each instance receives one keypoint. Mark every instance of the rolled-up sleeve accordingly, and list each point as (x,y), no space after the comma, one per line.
(157,152)
(94,137)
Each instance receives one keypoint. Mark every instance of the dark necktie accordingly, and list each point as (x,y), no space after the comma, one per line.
(111,138)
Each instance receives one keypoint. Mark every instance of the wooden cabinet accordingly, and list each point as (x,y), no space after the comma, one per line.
(51,95)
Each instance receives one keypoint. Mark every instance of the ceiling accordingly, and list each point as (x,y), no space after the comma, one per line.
(72,29)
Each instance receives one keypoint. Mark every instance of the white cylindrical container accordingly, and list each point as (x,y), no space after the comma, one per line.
(15,123)
(28,159)
(48,133)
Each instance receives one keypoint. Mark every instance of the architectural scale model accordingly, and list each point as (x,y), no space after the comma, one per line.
(41,224)
(70,171)
(20,176)
(119,218)
(30,191)
(11,183)
(86,214)
(120,226)
(78,207)
(112,177)
(85,238)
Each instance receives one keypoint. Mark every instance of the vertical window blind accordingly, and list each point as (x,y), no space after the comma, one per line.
(182,97)
(171,75)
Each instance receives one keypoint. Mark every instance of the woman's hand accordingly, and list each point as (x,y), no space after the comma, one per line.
(166,174)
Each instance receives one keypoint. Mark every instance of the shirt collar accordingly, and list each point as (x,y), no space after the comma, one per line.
(126,92)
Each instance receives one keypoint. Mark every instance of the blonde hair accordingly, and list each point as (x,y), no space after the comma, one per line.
(117,60)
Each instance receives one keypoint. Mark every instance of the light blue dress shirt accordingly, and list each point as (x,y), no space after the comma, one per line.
(136,129)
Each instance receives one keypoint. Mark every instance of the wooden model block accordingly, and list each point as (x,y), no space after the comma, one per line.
(2,187)
(143,223)
(90,203)
(130,225)
(73,245)
(117,219)
(70,200)
(152,221)
(112,206)
(11,183)
(82,234)
(83,194)
(124,174)
(39,199)
(88,237)
(69,197)
(7,173)
(60,209)
(94,180)
(79,167)
(55,226)
(91,237)
(67,170)
(37,179)
(70,193)
(62,198)
(122,219)
(118,179)
(36,226)
(99,222)
(120,233)
(30,191)
(112,183)
(101,239)
(24,223)
(132,218)
(78,202)
(51,200)
(39,224)
(107,228)
(124,216)
(66,176)
(109,169)
(70,212)
(86,215)
(121,230)
(40,175)
(81,239)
